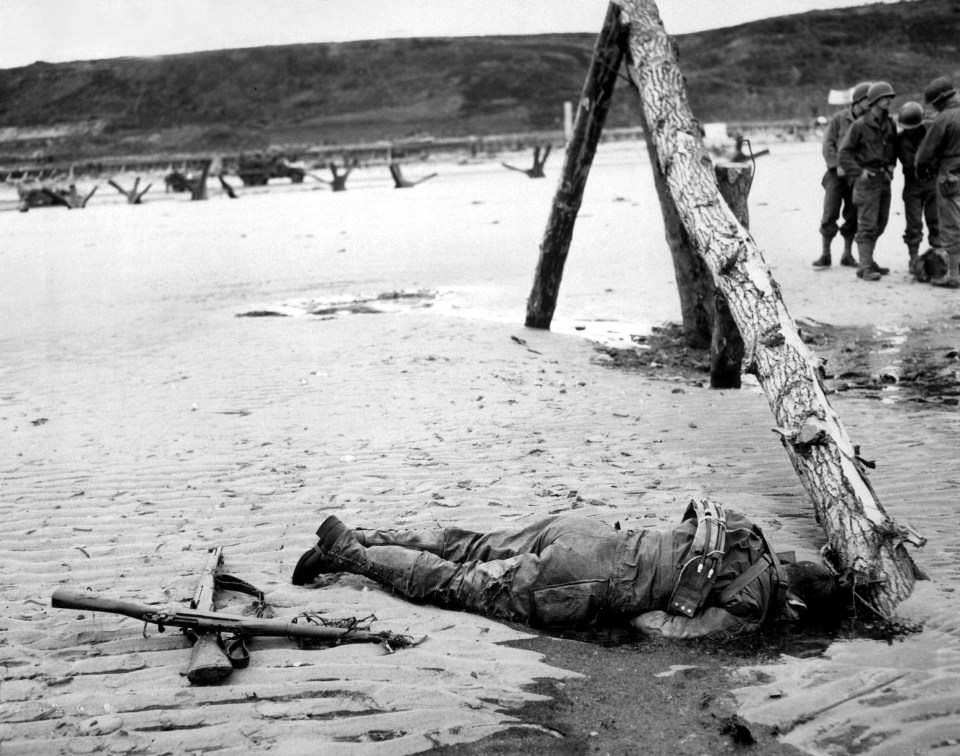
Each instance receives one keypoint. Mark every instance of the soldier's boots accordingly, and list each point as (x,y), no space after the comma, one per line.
(824,261)
(847,259)
(952,279)
(866,269)
(914,251)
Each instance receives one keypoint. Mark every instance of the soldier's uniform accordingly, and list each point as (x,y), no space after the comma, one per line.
(867,157)
(939,155)
(919,191)
(711,575)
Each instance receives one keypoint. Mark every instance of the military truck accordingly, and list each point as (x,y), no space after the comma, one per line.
(256,169)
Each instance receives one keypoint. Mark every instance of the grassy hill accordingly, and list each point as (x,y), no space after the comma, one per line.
(774,69)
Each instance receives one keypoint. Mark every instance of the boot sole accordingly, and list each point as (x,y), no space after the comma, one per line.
(311,564)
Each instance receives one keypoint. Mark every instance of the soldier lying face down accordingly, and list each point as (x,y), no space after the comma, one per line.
(714,574)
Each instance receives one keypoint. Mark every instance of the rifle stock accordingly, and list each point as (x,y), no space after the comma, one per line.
(209,663)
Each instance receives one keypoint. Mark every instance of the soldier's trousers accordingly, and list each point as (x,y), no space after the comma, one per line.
(919,205)
(553,572)
(837,202)
(871,195)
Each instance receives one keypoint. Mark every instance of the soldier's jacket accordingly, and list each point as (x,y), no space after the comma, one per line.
(905,146)
(833,134)
(940,148)
(868,145)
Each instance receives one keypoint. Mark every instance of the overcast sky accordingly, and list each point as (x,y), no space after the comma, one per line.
(61,30)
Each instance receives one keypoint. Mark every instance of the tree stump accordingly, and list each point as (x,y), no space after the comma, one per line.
(863,542)
(588,124)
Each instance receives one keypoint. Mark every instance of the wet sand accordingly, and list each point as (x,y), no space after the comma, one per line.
(143,421)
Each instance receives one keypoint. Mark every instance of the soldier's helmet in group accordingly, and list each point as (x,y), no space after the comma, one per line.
(910,115)
(938,90)
(860,92)
(878,90)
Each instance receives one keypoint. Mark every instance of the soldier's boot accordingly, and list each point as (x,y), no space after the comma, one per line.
(878,269)
(847,259)
(865,269)
(914,251)
(952,279)
(824,261)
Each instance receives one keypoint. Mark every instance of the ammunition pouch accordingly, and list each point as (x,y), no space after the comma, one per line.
(699,573)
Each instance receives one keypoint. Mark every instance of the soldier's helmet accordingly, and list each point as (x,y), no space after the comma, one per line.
(878,90)
(910,115)
(860,91)
(939,89)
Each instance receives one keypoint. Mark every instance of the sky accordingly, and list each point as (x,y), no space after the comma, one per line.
(62,30)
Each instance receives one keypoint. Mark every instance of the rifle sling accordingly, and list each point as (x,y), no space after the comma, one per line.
(235,647)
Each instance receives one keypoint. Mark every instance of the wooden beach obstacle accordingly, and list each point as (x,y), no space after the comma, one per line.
(230,191)
(864,544)
(399,182)
(176,181)
(536,171)
(52,196)
(339,181)
(134,197)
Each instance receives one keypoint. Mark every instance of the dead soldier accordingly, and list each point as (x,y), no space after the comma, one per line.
(714,574)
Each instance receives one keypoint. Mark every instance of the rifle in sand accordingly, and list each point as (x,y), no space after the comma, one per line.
(305,628)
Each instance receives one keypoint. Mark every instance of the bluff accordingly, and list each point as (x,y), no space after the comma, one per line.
(774,69)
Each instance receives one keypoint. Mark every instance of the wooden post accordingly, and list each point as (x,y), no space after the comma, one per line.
(726,345)
(864,543)
(591,115)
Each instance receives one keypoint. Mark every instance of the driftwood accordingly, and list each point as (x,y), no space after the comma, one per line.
(864,543)
(590,117)
(134,197)
(538,162)
(399,182)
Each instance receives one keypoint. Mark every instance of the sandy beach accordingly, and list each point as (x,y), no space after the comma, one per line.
(145,419)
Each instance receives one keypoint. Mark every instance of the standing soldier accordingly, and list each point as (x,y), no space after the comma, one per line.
(838,191)
(919,194)
(939,154)
(867,156)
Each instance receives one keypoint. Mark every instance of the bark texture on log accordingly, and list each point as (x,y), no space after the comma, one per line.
(694,283)
(726,348)
(863,541)
(591,115)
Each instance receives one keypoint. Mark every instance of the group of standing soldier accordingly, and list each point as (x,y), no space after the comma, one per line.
(861,146)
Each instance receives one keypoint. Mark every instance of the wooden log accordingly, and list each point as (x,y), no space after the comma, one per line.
(694,283)
(863,541)
(726,344)
(588,124)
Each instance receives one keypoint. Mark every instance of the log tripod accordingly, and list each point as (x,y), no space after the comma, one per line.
(864,544)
